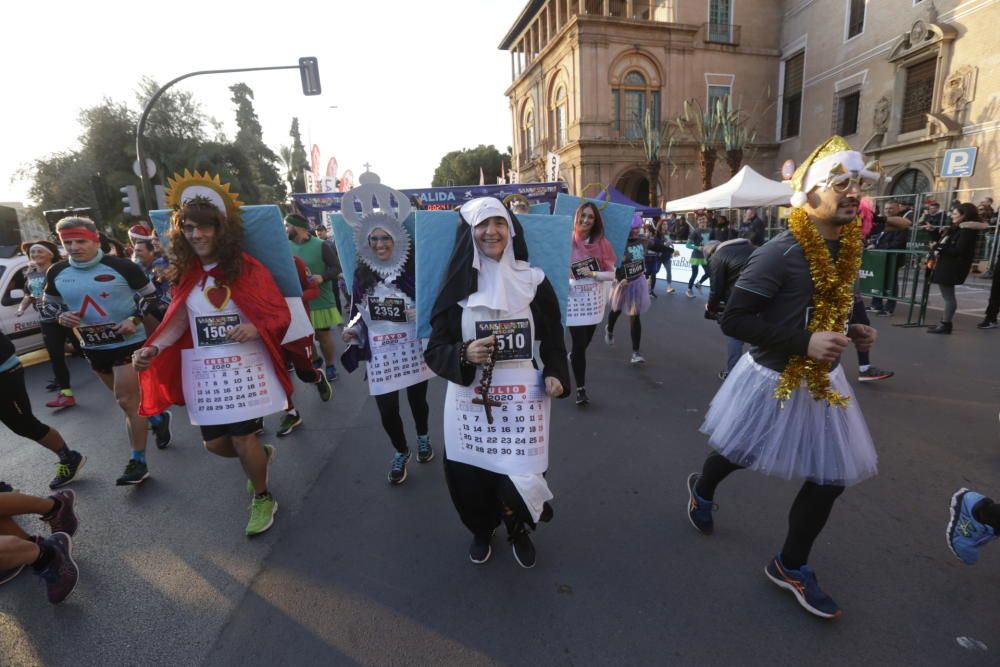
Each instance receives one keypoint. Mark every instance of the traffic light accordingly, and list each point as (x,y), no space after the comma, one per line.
(130,199)
(309,69)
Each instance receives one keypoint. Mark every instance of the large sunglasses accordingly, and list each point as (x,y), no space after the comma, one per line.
(841,180)
(375,240)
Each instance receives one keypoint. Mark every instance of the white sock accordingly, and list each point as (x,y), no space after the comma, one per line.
(864,368)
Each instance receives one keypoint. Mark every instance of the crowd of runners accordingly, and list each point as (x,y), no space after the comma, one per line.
(199,316)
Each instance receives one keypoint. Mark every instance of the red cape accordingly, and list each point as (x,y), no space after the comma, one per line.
(257,296)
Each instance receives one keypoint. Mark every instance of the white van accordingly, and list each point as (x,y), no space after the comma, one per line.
(24,331)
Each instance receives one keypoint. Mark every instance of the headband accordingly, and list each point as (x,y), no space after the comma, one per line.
(79,233)
(296,220)
(40,247)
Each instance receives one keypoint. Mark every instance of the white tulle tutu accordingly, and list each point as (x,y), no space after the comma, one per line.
(805,439)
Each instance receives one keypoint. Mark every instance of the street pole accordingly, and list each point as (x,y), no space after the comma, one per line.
(310,86)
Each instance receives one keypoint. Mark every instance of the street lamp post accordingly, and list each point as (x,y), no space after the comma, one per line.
(308,67)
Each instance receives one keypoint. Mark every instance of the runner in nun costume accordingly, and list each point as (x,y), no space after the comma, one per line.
(496,325)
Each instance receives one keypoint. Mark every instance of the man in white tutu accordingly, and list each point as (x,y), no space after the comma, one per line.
(786,408)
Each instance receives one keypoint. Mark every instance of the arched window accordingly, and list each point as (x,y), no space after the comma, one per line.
(630,100)
(910,182)
(528,134)
(558,111)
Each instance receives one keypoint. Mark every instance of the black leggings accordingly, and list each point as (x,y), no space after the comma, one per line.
(860,316)
(15,408)
(635,327)
(54,336)
(484,498)
(388,409)
(694,275)
(580,337)
(807,517)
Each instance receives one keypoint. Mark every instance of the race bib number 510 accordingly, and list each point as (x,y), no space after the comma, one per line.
(513,338)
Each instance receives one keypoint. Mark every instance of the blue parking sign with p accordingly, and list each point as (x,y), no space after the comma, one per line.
(958,162)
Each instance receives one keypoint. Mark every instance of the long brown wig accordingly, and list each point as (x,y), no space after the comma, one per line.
(228,240)
(597,231)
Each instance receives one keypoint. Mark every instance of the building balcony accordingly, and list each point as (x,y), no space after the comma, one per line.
(720,33)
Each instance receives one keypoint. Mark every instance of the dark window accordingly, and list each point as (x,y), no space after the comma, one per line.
(630,102)
(791,106)
(910,182)
(918,95)
(847,113)
(856,20)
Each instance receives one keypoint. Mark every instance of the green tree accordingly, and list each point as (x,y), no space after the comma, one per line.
(299,158)
(462,167)
(265,182)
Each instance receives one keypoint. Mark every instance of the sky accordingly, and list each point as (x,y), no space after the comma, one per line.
(410,81)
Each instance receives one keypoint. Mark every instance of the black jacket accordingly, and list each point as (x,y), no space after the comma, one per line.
(725,265)
(954,252)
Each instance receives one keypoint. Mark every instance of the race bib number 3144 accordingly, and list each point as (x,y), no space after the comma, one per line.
(513,338)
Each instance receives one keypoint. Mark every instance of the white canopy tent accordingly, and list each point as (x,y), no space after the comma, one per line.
(747,188)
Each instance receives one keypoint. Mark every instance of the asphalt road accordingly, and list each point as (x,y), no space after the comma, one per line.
(356,572)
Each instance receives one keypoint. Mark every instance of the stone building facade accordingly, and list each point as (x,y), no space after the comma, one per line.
(901,79)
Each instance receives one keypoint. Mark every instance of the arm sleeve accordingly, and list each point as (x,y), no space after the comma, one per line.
(718,269)
(171,332)
(131,272)
(445,346)
(548,327)
(965,245)
(332,262)
(741,320)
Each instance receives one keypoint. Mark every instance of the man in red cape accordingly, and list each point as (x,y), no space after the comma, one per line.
(229,299)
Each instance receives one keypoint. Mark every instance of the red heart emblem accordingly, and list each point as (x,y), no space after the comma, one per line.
(218,295)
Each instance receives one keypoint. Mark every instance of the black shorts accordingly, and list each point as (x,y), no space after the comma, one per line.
(239,428)
(15,408)
(104,361)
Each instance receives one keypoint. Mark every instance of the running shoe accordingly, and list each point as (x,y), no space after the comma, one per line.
(699,510)
(397,473)
(581,396)
(7,575)
(425,452)
(331,373)
(262,511)
(52,385)
(688,294)
(480,550)
(987,324)
(289,424)
(874,373)
(6,488)
(64,519)
(804,586)
(162,430)
(966,535)
(61,573)
(136,472)
(318,363)
(270,453)
(871,309)
(637,358)
(524,550)
(66,472)
(609,336)
(324,388)
(670,290)
(61,401)
(722,375)
(883,313)
(654,294)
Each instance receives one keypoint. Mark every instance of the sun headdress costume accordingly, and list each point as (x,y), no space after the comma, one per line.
(780,411)
(204,297)
(383,290)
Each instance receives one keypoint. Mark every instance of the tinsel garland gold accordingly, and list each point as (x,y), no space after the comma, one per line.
(833,297)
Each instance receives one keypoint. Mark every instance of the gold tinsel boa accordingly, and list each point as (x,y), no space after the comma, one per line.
(833,298)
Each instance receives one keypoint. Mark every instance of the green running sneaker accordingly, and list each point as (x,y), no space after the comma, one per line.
(262,512)
(136,472)
(324,388)
(66,472)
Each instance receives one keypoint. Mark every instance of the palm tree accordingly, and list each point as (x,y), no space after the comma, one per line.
(703,128)
(652,140)
(736,134)
(287,158)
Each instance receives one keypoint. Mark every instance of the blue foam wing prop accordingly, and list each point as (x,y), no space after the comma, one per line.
(617,219)
(265,239)
(549,240)
(343,236)
(541,209)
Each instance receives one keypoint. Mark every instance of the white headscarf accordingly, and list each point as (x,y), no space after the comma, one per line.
(508,285)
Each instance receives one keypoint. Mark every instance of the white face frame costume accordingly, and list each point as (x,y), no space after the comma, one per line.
(384,217)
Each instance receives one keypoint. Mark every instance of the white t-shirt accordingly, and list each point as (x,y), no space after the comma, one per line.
(209,324)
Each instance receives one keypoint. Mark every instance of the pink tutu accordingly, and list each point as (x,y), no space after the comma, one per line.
(632,298)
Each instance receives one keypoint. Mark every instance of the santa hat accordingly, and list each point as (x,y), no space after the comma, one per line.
(832,158)
(140,233)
